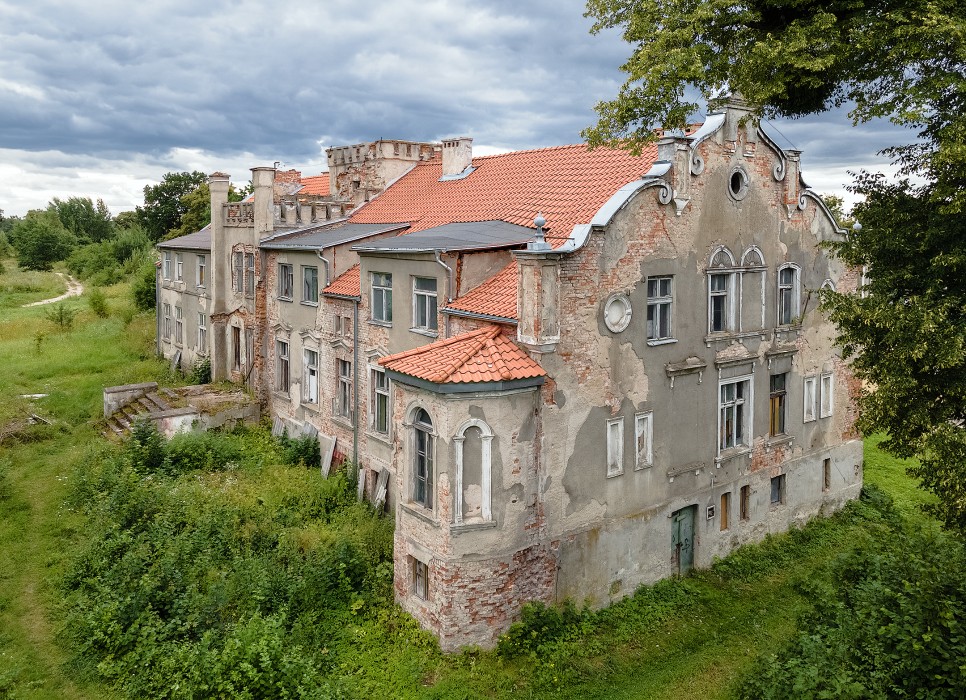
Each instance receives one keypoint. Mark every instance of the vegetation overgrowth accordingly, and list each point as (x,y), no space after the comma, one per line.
(219,565)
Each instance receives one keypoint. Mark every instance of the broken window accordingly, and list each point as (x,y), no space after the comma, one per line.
(286,281)
(420,574)
(424,303)
(615,447)
(778,489)
(239,258)
(236,347)
(250,274)
(381,297)
(724,511)
(659,305)
(310,376)
(776,423)
(310,285)
(734,424)
(423,458)
(745,502)
(281,366)
(643,435)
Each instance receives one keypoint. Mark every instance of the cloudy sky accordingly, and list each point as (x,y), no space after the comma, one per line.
(101,97)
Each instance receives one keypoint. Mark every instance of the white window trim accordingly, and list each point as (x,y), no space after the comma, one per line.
(659,302)
(486,509)
(422,296)
(178,325)
(431,457)
(279,359)
(809,413)
(373,370)
(179,267)
(343,383)
(202,332)
(796,289)
(749,403)
(644,425)
(730,301)
(201,271)
(166,266)
(385,309)
(310,393)
(826,408)
(615,448)
(310,301)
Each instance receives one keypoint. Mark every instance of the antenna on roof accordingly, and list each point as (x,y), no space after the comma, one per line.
(539,242)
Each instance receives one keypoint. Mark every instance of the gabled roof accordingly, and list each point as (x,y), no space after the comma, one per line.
(347,284)
(484,356)
(316,185)
(497,297)
(567,184)
(199,240)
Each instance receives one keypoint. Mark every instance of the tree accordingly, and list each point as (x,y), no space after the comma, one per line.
(40,240)
(79,215)
(197,209)
(900,59)
(163,206)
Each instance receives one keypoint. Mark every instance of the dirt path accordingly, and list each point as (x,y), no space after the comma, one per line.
(74,289)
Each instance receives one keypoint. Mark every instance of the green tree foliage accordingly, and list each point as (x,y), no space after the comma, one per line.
(40,240)
(88,222)
(163,204)
(108,261)
(143,287)
(197,209)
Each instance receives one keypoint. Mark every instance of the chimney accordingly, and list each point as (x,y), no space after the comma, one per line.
(457,156)
(263,181)
(219,272)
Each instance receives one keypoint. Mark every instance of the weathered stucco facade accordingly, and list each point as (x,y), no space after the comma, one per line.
(566,373)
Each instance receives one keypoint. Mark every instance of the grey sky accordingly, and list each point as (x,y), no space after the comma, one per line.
(100,98)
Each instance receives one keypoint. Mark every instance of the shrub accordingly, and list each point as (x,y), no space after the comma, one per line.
(98,302)
(538,625)
(302,450)
(40,240)
(61,315)
(143,286)
(201,372)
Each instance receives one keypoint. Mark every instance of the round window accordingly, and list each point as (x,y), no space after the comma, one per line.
(738,183)
(617,312)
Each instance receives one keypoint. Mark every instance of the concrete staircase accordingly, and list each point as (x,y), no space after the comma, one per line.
(138,402)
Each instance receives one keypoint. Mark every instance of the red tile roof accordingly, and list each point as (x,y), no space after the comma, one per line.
(483,355)
(348,284)
(316,185)
(495,297)
(567,184)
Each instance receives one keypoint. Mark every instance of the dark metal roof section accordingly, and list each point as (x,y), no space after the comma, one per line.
(471,235)
(199,240)
(315,237)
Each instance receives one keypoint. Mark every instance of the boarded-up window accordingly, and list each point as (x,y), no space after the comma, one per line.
(643,432)
(745,504)
(725,510)
(615,447)
(810,402)
(828,400)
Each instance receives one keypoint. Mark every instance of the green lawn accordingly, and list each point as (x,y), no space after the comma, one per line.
(695,637)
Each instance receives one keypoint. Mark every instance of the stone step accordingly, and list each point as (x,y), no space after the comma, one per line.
(159,403)
(168,393)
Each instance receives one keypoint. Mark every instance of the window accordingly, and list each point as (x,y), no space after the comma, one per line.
(310,376)
(615,447)
(310,285)
(776,411)
(828,400)
(201,273)
(167,321)
(472,487)
(166,269)
(810,399)
(286,281)
(643,434)
(281,366)
(745,502)
(344,399)
(778,489)
(734,418)
(725,511)
(420,578)
(381,297)
(239,258)
(827,474)
(659,308)
(788,304)
(236,347)
(424,303)
(343,326)
(178,266)
(379,402)
(250,274)
(423,459)
(178,325)
(720,302)
(202,333)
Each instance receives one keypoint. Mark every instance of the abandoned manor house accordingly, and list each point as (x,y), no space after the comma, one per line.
(566,372)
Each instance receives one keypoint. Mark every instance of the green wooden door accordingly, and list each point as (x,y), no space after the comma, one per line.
(682,538)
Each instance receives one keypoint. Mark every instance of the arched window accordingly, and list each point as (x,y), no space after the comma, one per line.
(751,283)
(473,473)
(752,258)
(423,447)
(721,291)
(789,296)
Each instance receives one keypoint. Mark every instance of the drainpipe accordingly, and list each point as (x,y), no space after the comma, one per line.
(355,398)
(449,290)
(157,307)
(326,263)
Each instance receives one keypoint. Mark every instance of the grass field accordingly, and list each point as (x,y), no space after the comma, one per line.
(694,637)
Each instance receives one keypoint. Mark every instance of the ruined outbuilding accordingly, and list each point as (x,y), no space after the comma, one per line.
(565,372)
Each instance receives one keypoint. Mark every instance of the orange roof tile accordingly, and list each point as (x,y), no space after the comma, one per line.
(495,297)
(567,184)
(316,185)
(348,284)
(483,355)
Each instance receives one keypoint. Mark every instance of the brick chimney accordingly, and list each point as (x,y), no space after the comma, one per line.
(457,156)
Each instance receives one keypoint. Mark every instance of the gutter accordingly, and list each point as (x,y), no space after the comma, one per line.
(325,262)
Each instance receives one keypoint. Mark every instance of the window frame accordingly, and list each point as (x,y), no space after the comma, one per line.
(379,393)
(423,459)
(201,271)
(788,314)
(343,399)
(286,281)
(178,325)
(744,502)
(777,487)
(724,511)
(425,300)
(283,368)
(826,389)
(310,376)
(179,267)
(239,261)
(166,312)
(743,407)
(809,391)
(249,285)
(615,447)
(380,312)
(310,290)
(727,293)
(166,266)
(202,332)
(645,419)
(660,306)
(420,578)
(778,404)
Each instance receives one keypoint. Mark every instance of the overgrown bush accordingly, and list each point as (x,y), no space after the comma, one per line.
(538,625)
(201,372)
(302,450)
(143,286)
(98,302)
